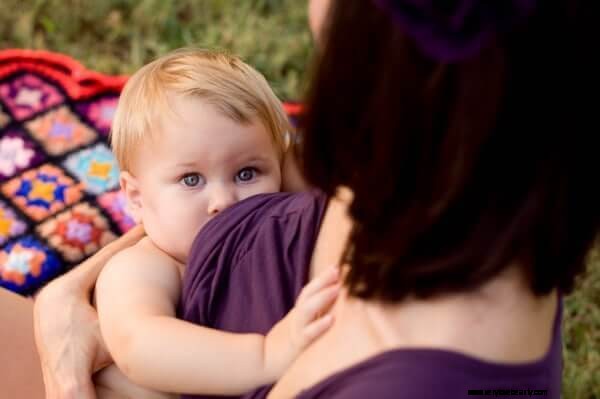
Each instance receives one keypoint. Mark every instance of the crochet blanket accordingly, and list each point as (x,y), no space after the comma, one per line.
(59,182)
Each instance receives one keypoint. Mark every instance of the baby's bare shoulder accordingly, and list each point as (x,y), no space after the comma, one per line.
(142,261)
(143,269)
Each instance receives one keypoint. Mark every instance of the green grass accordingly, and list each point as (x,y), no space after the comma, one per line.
(581,335)
(119,36)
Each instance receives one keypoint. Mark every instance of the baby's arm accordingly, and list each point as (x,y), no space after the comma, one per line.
(137,293)
(111,383)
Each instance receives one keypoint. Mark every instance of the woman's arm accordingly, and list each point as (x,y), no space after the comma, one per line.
(137,295)
(20,373)
(66,326)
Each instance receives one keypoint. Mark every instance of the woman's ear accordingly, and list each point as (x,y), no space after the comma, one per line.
(130,187)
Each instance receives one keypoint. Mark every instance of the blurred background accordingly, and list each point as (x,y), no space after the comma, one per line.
(119,36)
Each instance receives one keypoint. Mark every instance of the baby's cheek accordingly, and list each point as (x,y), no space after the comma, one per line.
(189,233)
(265,187)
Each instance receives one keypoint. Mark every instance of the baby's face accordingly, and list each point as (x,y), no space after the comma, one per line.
(201,163)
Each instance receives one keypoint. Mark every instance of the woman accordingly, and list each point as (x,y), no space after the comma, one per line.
(467,225)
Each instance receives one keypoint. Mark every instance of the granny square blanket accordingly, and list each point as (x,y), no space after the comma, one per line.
(59,181)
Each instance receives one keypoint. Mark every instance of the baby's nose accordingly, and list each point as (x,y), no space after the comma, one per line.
(221,198)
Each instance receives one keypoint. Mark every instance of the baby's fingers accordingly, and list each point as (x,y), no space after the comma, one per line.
(314,306)
(321,281)
(316,328)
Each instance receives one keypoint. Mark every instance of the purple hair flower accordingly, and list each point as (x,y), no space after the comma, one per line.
(453,30)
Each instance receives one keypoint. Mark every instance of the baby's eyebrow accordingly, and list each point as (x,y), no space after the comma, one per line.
(255,158)
(185,164)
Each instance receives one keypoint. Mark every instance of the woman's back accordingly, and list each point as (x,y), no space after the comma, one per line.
(461,129)
(505,340)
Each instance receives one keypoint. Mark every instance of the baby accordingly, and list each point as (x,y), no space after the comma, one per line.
(194,132)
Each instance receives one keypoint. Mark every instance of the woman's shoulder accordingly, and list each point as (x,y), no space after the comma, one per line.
(432,374)
(428,372)
(239,225)
(253,211)
(266,239)
(279,204)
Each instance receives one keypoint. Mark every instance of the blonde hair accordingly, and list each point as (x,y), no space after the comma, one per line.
(222,80)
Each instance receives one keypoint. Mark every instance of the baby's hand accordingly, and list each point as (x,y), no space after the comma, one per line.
(310,317)
(307,320)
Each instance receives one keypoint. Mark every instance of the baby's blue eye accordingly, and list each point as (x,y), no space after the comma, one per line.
(246,174)
(191,180)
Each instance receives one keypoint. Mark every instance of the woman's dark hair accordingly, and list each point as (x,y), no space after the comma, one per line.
(458,170)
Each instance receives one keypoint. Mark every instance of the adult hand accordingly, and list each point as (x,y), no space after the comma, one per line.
(68,340)
(66,326)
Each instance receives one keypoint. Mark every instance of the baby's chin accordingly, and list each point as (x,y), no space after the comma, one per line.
(178,254)
(182,254)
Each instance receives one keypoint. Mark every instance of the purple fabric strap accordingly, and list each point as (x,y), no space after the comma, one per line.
(454,30)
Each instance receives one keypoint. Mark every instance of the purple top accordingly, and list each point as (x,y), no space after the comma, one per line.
(248,265)
(441,374)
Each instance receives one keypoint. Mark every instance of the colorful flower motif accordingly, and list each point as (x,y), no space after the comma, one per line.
(60,131)
(42,191)
(20,262)
(26,264)
(96,167)
(27,95)
(17,153)
(10,225)
(99,113)
(115,204)
(77,232)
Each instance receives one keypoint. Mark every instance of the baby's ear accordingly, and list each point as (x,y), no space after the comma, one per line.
(130,187)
